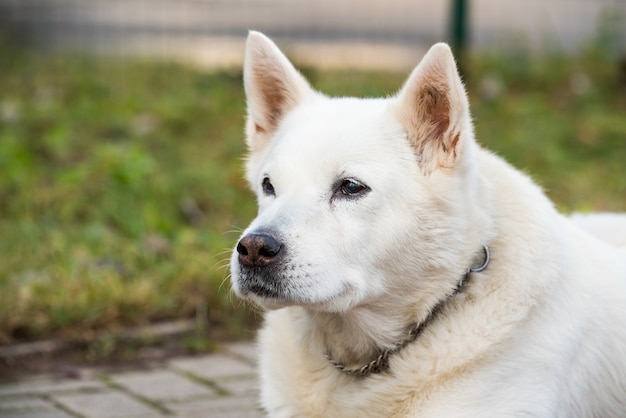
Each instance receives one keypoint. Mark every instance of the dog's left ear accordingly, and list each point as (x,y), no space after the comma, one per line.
(434,109)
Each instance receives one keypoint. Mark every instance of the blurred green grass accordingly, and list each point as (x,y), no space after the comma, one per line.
(121,190)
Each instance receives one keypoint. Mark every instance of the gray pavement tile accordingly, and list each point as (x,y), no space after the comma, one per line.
(234,407)
(24,403)
(172,387)
(45,384)
(213,366)
(240,387)
(29,407)
(105,405)
(221,414)
(35,414)
(162,385)
(246,350)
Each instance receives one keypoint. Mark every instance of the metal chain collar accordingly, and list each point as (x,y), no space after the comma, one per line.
(381,363)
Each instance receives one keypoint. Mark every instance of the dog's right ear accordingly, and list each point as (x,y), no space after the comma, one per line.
(273,88)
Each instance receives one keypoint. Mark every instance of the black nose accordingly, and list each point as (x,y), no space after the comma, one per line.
(258,249)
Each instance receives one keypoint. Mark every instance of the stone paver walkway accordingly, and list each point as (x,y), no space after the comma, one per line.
(213,385)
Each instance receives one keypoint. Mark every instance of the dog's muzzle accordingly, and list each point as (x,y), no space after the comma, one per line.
(261,257)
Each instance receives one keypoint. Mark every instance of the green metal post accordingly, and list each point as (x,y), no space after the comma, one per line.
(458,32)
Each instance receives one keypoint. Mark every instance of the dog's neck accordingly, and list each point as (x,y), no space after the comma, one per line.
(362,349)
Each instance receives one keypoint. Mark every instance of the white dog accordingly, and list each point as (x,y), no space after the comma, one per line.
(408,272)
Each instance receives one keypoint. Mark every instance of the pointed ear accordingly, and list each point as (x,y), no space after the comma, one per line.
(273,88)
(434,110)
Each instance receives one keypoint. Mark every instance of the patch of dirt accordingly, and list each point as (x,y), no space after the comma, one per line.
(140,348)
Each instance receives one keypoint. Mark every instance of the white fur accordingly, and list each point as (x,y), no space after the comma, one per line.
(609,227)
(540,333)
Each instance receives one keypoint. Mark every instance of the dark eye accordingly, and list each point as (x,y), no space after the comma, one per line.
(351,187)
(268,188)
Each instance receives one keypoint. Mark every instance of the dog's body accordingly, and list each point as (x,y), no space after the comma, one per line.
(370,211)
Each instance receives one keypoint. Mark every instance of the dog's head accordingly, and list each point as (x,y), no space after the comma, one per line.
(357,197)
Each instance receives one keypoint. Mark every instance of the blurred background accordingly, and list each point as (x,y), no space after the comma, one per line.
(121,140)
(349,33)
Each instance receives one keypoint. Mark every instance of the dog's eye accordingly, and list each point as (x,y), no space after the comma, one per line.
(268,188)
(351,187)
